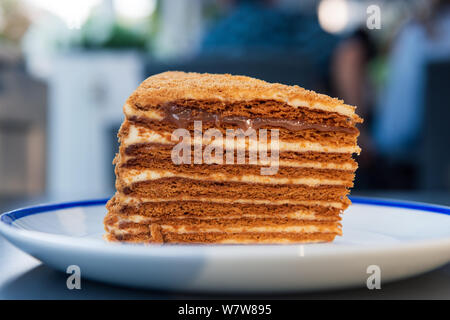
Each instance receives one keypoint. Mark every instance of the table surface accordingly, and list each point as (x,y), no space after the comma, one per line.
(24,277)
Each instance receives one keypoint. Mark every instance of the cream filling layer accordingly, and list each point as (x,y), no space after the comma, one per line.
(261,229)
(145,135)
(314,165)
(274,240)
(136,201)
(294,215)
(130,176)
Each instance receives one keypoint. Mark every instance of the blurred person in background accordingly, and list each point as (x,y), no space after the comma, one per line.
(350,81)
(268,26)
(400,113)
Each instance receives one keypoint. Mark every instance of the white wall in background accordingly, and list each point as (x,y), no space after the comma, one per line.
(87,91)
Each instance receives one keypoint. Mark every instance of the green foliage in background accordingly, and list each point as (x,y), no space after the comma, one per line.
(119,38)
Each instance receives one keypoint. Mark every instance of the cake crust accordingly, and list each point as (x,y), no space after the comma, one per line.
(175,85)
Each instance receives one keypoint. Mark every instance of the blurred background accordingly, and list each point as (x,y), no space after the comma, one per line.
(66,68)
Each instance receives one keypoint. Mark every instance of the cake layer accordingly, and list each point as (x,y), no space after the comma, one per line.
(143,166)
(223,238)
(261,112)
(313,177)
(313,133)
(177,188)
(131,134)
(122,227)
(194,225)
(339,161)
(211,210)
(155,159)
(224,88)
(214,215)
(136,200)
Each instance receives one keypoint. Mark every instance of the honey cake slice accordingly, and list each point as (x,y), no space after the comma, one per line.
(208,199)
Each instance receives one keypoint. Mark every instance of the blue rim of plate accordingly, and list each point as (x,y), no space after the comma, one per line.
(11,216)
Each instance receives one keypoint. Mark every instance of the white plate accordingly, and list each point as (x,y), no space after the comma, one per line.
(402,239)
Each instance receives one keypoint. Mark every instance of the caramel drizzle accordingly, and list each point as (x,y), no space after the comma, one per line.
(182,117)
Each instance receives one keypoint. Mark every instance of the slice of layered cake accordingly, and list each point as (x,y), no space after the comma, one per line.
(209,158)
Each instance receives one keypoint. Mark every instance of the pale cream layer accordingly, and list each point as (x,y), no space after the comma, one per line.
(130,176)
(299,215)
(274,240)
(137,135)
(180,229)
(136,201)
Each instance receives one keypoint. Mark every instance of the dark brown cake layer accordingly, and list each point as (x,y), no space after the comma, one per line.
(199,225)
(200,209)
(163,151)
(176,188)
(114,217)
(333,138)
(236,170)
(257,109)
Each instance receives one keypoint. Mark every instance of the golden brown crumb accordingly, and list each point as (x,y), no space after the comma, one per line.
(175,85)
